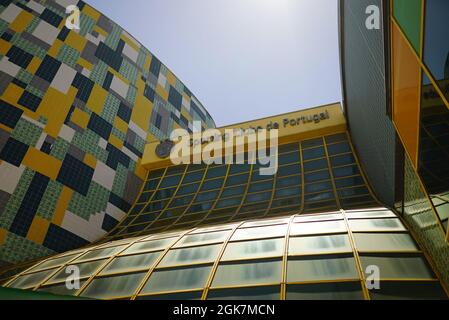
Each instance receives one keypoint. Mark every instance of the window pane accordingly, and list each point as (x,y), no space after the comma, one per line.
(370,214)
(30,280)
(101,253)
(321,268)
(325,291)
(254,249)
(196,295)
(256,293)
(150,245)
(202,238)
(313,153)
(113,286)
(61,289)
(318,227)
(190,255)
(323,244)
(376,224)
(317,176)
(384,242)
(135,262)
(399,267)
(409,290)
(85,269)
(260,232)
(177,279)
(244,273)
(318,217)
(54,262)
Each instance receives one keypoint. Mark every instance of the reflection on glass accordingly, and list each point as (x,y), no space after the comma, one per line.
(53,262)
(61,289)
(30,280)
(318,245)
(135,262)
(376,225)
(150,245)
(415,290)
(321,268)
(254,249)
(369,214)
(260,232)
(405,267)
(318,227)
(101,253)
(384,242)
(190,255)
(434,147)
(177,279)
(256,293)
(85,269)
(203,238)
(325,291)
(109,287)
(247,273)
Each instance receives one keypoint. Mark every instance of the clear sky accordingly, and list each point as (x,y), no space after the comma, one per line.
(243,59)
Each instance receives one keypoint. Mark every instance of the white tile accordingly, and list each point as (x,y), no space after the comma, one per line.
(130,52)
(46,32)
(41,141)
(36,6)
(86,72)
(67,133)
(119,87)
(10,176)
(90,230)
(63,79)
(138,130)
(102,143)
(10,13)
(162,80)
(8,67)
(115,212)
(66,3)
(130,154)
(104,175)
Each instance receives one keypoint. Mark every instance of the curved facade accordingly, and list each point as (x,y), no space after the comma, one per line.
(76,111)
(322,256)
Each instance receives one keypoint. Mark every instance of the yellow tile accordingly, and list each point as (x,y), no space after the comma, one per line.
(171,78)
(116,142)
(91,12)
(21,22)
(147,63)
(141,172)
(131,43)
(55,106)
(90,160)
(38,230)
(3,234)
(85,64)
(42,163)
(141,112)
(62,205)
(54,49)
(121,125)
(162,92)
(5,128)
(97,99)
(34,65)
(80,118)
(100,31)
(76,41)
(12,94)
(4,46)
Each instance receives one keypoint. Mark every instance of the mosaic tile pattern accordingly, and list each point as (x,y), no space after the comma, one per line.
(76,110)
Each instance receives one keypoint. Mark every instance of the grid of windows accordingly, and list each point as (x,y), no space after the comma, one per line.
(318,256)
(313,175)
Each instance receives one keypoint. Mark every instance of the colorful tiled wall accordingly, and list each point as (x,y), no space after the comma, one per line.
(76,110)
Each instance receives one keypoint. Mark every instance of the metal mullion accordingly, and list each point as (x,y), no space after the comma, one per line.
(155,264)
(194,195)
(237,211)
(97,272)
(244,286)
(283,293)
(322,254)
(306,282)
(170,292)
(301,159)
(184,265)
(217,261)
(358,262)
(59,282)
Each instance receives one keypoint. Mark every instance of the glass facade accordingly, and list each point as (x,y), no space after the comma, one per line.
(313,175)
(314,256)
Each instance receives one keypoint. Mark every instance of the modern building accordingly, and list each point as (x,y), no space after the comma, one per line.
(360,188)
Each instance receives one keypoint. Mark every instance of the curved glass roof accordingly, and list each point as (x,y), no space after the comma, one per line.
(321,256)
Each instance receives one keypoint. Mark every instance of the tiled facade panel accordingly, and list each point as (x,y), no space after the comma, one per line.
(76,110)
